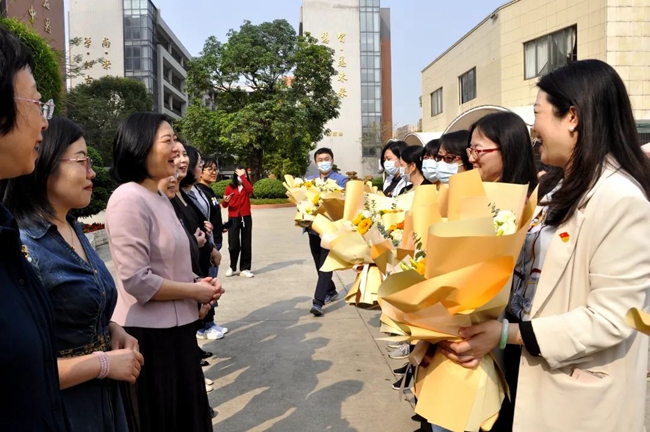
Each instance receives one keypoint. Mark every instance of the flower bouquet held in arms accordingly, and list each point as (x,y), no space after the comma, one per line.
(313,197)
(360,236)
(470,257)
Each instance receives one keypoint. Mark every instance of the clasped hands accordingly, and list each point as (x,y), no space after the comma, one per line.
(478,341)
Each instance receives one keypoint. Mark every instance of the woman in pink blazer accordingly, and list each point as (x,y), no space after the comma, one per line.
(571,361)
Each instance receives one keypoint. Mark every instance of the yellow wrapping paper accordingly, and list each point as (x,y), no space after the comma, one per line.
(467,280)
(365,287)
(639,320)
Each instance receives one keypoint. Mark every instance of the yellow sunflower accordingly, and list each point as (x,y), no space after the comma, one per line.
(364,226)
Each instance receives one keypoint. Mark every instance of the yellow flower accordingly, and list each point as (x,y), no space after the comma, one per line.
(364,226)
(308,184)
(420,266)
(316,199)
(357,220)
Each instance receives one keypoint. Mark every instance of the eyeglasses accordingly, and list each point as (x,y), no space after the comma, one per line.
(448,158)
(476,153)
(47,108)
(211,169)
(86,161)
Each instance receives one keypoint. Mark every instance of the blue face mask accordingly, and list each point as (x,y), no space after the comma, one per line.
(446,170)
(324,167)
(390,168)
(430,170)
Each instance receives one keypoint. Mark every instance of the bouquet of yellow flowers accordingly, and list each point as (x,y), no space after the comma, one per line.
(470,255)
(313,197)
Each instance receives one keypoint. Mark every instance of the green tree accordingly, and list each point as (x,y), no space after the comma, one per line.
(99,106)
(47,61)
(262,98)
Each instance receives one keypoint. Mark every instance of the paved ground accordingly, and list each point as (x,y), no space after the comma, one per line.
(281,369)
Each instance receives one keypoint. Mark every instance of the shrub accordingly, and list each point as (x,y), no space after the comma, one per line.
(219,187)
(103,187)
(48,62)
(269,188)
(378,182)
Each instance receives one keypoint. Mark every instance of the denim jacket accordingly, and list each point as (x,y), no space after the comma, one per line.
(83,293)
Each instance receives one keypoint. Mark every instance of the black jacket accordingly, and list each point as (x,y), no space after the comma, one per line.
(215,213)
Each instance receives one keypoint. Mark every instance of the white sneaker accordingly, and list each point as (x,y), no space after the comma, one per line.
(213,334)
(208,388)
(208,382)
(223,330)
(246,273)
(229,272)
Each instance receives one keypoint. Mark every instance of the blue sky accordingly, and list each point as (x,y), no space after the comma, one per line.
(421,30)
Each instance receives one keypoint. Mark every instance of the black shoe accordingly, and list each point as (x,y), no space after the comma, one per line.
(418,418)
(316,310)
(204,363)
(407,381)
(401,371)
(213,413)
(330,297)
(206,354)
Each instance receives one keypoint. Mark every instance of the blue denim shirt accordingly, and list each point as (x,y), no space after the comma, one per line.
(339,178)
(30,399)
(83,293)
(84,296)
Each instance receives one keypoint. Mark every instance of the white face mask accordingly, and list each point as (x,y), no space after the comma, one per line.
(390,168)
(430,170)
(402,170)
(446,170)
(324,167)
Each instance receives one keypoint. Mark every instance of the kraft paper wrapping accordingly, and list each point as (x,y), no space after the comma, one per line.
(365,287)
(639,320)
(354,199)
(467,280)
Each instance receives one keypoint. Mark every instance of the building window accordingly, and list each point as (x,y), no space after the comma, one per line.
(549,52)
(436,102)
(467,85)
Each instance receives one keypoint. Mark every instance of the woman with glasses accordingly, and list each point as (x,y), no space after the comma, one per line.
(208,178)
(31,399)
(500,149)
(93,352)
(158,292)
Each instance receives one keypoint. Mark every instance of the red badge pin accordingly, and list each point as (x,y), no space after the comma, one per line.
(565,237)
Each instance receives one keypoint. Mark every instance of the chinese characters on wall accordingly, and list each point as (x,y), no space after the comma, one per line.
(342,76)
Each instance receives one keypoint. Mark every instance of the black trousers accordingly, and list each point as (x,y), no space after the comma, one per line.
(169,395)
(325,285)
(240,241)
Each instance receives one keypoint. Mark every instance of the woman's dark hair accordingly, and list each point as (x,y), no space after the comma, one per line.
(606,126)
(14,57)
(194,155)
(56,140)
(234,182)
(456,143)
(133,141)
(413,154)
(209,162)
(509,132)
(395,147)
(431,148)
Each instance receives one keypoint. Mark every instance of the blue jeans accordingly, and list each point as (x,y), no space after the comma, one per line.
(435,428)
(214,271)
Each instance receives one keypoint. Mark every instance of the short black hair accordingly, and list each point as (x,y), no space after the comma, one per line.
(431,148)
(323,150)
(190,179)
(395,147)
(210,162)
(509,132)
(456,143)
(14,57)
(133,141)
(56,139)
(413,155)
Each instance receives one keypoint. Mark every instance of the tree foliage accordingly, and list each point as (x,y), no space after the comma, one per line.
(99,107)
(262,98)
(47,60)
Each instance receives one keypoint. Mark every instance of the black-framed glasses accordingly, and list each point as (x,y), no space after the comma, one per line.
(477,153)
(211,169)
(448,158)
(86,161)
(47,108)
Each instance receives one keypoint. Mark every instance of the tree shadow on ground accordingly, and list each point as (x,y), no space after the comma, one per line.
(278,266)
(266,378)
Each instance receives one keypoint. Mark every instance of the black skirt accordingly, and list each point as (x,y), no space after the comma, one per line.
(169,395)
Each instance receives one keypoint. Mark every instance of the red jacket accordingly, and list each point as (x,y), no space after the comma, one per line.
(240,203)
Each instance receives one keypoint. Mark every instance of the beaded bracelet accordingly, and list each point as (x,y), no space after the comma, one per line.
(504,334)
(104,365)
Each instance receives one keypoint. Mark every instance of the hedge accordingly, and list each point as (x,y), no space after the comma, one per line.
(48,62)
(219,188)
(103,187)
(269,188)
(378,182)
